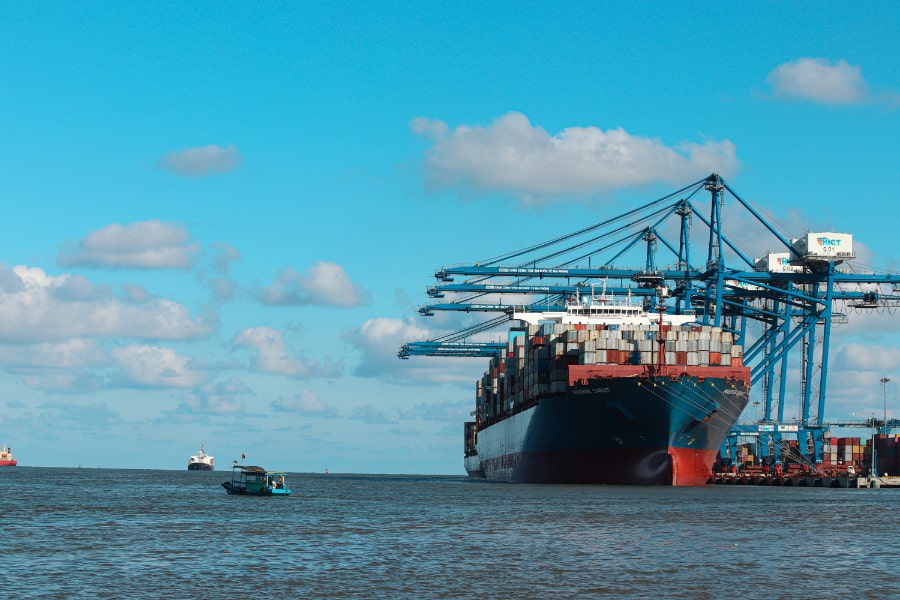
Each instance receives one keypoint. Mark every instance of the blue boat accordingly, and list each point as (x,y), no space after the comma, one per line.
(256,481)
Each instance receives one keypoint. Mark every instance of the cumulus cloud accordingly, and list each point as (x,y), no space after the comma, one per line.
(213,398)
(214,275)
(201,161)
(38,308)
(156,367)
(859,357)
(69,354)
(135,294)
(854,382)
(515,156)
(141,245)
(378,341)
(325,284)
(63,381)
(818,80)
(223,255)
(305,403)
(272,355)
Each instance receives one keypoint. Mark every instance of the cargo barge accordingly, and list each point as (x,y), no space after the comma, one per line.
(605,392)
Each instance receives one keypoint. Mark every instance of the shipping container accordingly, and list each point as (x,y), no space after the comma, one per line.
(824,245)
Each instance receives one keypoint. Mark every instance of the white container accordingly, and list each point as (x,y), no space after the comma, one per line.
(776,262)
(824,245)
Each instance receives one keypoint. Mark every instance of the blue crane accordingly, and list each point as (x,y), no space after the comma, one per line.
(775,306)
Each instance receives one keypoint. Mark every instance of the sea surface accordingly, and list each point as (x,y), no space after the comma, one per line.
(107,533)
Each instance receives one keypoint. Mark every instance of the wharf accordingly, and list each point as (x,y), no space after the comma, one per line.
(803,480)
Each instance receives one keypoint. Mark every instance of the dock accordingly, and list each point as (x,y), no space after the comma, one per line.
(803,480)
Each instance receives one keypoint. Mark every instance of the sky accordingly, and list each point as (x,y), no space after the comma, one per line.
(221,219)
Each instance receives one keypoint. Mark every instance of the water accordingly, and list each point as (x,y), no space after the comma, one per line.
(104,533)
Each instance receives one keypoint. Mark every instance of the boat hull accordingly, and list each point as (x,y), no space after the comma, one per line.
(199,467)
(236,490)
(8,463)
(473,467)
(617,425)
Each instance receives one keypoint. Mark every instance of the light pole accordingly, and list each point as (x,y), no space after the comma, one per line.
(884,382)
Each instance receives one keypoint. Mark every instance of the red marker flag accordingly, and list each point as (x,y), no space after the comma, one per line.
(243,456)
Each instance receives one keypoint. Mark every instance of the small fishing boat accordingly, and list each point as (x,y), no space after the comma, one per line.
(256,481)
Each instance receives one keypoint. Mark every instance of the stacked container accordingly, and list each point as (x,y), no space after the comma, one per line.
(539,356)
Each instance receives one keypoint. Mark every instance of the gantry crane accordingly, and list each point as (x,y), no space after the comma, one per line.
(776,306)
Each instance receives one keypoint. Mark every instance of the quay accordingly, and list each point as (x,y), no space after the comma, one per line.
(803,480)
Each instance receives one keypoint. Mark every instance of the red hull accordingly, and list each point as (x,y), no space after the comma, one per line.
(8,463)
(691,467)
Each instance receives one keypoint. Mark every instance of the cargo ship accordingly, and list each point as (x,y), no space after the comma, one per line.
(605,392)
(6,457)
(201,461)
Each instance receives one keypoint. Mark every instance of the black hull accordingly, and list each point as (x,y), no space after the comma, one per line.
(199,467)
(627,430)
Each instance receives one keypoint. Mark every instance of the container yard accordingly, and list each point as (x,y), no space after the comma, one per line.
(846,462)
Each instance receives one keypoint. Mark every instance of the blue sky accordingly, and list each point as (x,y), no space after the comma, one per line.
(220,220)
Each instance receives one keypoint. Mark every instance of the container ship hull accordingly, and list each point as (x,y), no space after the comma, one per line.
(200,467)
(617,424)
(604,392)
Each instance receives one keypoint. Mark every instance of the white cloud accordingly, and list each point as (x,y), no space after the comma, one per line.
(818,80)
(70,354)
(135,294)
(223,255)
(37,307)
(141,245)
(325,284)
(305,403)
(272,355)
(214,275)
(157,367)
(854,383)
(857,357)
(513,155)
(201,161)
(213,398)
(69,382)
(378,341)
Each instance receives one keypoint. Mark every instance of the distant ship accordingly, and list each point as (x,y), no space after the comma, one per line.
(202,461)
(6,457)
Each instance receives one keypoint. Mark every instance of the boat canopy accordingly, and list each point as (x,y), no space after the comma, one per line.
(249,468)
